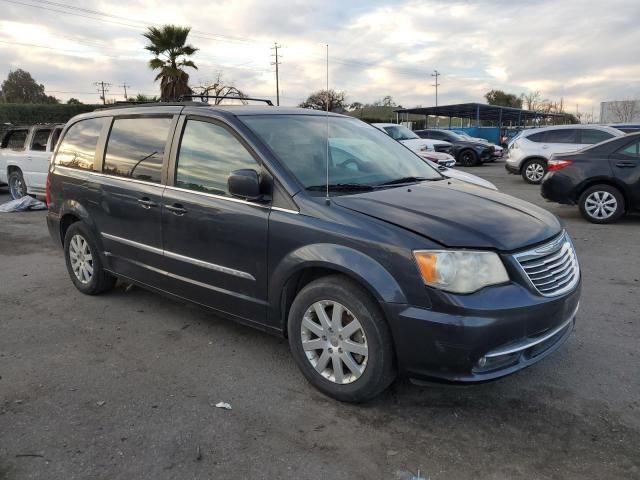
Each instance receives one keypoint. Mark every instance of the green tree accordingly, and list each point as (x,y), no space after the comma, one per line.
(143,98)
(320,99)
(503,99)
(74,101)
(20,87)
(169,45)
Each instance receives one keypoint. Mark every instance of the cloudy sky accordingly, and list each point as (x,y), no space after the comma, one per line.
(583,51)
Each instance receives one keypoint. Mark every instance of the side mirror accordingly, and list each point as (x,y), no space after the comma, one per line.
(244,184)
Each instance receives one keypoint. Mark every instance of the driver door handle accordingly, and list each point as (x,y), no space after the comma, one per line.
(176,209)
(146,202)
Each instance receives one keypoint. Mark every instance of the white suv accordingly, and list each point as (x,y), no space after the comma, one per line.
(24,158)
(530,151)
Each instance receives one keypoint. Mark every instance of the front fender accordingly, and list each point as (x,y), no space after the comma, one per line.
(353,263)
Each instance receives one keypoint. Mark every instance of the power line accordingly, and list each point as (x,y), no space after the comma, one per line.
(276,63)
(436,74)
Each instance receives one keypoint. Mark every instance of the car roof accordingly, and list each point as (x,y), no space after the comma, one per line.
(526,133)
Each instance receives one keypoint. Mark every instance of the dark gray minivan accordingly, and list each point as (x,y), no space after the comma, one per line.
(318,227)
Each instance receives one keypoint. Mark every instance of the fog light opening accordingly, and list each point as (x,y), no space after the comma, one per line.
(482,362)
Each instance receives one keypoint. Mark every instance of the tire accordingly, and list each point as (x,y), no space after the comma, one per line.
(365,374)
(601,204)
(17,185)
(89,277)
(468,158)
(534,171)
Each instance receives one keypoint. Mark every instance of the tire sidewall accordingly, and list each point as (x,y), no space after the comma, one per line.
(378,372)
(531,162)
(472,161)
(79,228)
(602,188)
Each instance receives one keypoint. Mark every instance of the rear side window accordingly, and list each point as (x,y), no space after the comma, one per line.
(561,135)
(40,139)
(78,147)
(15,139)
(632,150)
(55,137)
(591,136)
(536,137)
(135,148)
(208,154)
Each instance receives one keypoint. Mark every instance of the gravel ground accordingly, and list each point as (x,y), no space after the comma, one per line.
(124,385)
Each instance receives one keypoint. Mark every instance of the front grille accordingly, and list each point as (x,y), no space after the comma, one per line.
(552,268)
(443,148)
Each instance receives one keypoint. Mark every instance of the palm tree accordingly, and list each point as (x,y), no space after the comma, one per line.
(168,44)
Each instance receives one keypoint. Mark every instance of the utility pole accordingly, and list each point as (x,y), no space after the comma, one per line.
(436,74)
(104,87)
(276,63)
(125,86)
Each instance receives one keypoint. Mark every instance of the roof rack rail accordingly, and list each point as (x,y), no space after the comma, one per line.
(223,97)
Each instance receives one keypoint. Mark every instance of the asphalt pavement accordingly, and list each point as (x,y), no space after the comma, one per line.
(124,385)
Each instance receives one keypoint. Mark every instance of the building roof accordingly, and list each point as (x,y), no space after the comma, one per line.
(480,111)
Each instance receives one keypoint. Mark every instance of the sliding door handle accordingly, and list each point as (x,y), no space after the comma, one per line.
(626,164)
(146,202)
(176,209)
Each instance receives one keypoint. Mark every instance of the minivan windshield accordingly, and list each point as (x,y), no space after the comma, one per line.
(400,132)
(360,156)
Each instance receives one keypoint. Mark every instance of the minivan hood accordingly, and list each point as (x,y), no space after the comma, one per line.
(458,214)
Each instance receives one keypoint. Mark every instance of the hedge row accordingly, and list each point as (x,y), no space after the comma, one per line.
(27,114)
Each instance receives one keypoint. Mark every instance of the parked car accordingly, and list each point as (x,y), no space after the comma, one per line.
(372,266)
(530,151)
(413,141)
(626,127)
(24,158)
(604,180)
(467,153)
(498,151)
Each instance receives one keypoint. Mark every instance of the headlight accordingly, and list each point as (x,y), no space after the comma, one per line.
(460,271)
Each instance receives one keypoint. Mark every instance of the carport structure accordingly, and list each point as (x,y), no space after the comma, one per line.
(480,112)
(482,115)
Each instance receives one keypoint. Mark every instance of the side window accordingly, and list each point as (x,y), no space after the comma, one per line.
(537,137)
(632,150)
(561,135)
(40,139)
(78,147)
(55,137)
(591,136)
(208,154)
(135,148)
(15,139)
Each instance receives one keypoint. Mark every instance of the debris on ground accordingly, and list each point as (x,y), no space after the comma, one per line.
(100,403)
(223,405)
(198,454)
(22,204)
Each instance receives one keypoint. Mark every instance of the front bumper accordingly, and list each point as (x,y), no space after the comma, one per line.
(469,339)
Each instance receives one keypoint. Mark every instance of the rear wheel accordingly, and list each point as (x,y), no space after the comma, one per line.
(83,261)
(468,158)
(533,171)
(340,340)
(17,185)
(601,204)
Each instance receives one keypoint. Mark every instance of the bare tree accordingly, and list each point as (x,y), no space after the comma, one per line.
(534,101)
(220,89)
(624,110)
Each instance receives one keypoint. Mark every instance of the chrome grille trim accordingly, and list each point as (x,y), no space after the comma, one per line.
(552,269)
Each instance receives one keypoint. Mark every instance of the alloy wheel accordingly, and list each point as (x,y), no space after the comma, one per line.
(600,205)
(81,258)
(534,172)
(334,342)
(17,187)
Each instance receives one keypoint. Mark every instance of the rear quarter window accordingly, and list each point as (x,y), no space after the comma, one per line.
(561,135)
(15,139)
(591,136)
(78,147)
(536,137)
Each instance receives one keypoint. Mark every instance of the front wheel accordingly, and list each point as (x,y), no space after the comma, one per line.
(601,204)
(17,185)
(468,158)
(340,340)
(533,171)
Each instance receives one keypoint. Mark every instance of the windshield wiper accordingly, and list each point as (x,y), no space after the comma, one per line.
(341,187)
(399,181)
